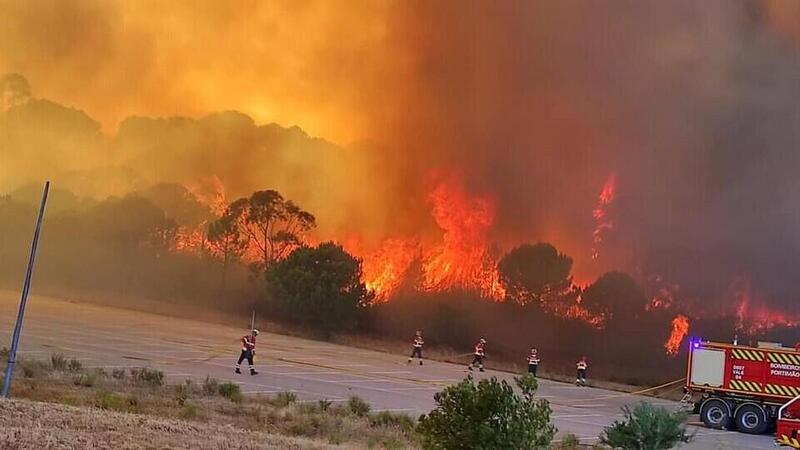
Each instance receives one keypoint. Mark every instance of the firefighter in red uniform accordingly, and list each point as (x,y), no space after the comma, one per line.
(480,352)
(581,365)
(417,348)
(533,361)
(248,350)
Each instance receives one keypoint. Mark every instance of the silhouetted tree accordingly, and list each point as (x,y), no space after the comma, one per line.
(319,287)
(615,295)
(226,242)
(179,203)
(535,273)
(273,226)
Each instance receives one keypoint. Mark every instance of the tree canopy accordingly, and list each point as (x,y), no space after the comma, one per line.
(319,287)
(615,295)
(535,273)
(272,225)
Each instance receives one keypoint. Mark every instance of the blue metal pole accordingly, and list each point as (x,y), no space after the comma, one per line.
(26,287)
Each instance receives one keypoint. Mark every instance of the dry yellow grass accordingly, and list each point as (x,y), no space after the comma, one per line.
(33,425)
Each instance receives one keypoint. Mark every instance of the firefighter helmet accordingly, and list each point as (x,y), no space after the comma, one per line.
(483,341)
(255,332)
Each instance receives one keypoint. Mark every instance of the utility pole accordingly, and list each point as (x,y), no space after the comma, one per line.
(26,287)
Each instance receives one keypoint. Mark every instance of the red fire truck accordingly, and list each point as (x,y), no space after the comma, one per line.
(751,389)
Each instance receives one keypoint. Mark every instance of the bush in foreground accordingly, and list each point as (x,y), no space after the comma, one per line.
(647,428)
(488,415)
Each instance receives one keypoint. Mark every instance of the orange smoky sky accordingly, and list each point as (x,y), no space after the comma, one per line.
(293,62)
(532,103)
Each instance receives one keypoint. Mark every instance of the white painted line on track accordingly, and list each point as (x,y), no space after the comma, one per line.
(421,388)
(569,416)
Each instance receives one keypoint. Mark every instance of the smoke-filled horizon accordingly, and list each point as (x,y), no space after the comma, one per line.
(690,106)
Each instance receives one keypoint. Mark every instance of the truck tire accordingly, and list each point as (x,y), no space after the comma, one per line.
(751,419)
(716,413)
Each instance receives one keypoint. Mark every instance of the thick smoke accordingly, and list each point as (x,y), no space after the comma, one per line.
(693,105)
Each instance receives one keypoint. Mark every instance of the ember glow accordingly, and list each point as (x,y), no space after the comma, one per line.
(603,223)
(680,327)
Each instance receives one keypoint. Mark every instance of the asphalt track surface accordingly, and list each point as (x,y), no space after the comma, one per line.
(117,338)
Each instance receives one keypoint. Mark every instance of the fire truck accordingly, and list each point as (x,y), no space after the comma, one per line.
(751,389)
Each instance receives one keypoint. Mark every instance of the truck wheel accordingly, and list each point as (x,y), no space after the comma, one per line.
(751,419)
(715,413)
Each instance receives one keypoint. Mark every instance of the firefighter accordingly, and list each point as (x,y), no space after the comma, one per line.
(581,365)
(417,348)
(533,361)
(480,352)
(248,350)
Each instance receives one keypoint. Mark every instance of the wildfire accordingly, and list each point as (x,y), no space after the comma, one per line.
(385,269)
(752,317)
(664,294)
(680,327)
(463,258)
(603,222)
(211,192)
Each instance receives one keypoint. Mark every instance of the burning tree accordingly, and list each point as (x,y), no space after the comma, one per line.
(535,273)
(272,225)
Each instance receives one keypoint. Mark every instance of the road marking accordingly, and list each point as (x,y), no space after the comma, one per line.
(421,388)
(568,416)
(391,372)
(589,405)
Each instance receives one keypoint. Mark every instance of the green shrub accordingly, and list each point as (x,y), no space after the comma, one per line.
(211,386)
(74,365)
(647,428)
(387,419)
(358,406)
(488,414)
(324,404)
(108,400)
(151,377)
(118,374)
(58,362)
(231,391)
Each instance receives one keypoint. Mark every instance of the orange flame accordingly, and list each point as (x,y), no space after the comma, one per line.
(680,327)
(602,222)
(462,259)
(385,269)
(752,317)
